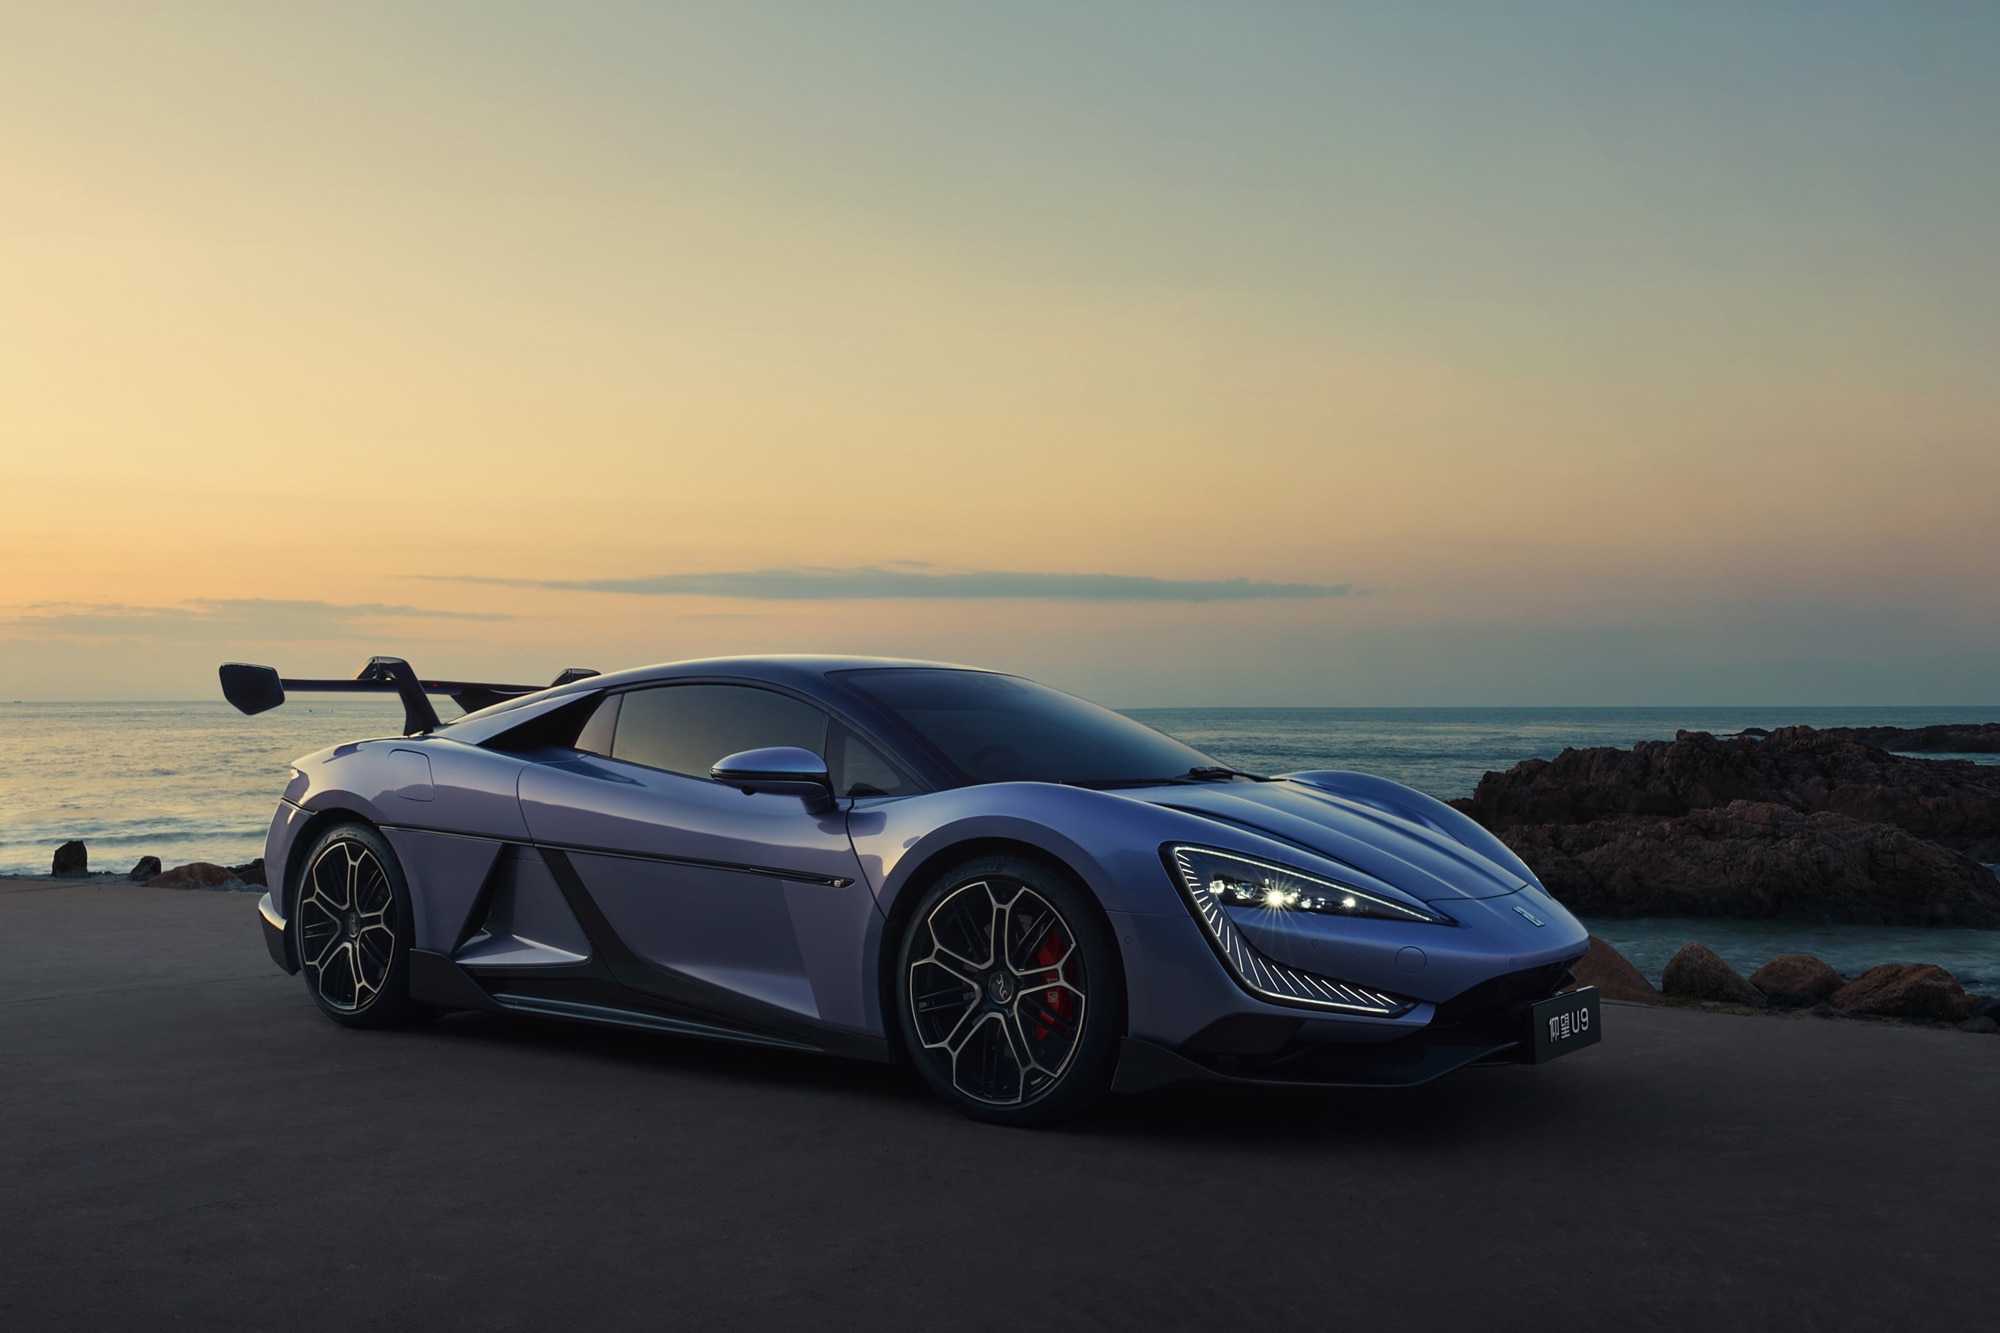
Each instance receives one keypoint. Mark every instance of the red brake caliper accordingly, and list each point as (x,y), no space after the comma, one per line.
(1057,1001)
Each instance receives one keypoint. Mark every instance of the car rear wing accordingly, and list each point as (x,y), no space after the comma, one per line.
(258,689)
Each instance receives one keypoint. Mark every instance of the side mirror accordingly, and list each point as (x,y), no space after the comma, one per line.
(786,770)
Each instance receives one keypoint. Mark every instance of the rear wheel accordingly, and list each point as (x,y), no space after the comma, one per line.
(1009,992)
(351,924)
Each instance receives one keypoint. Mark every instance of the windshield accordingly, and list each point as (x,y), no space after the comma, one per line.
(993,728)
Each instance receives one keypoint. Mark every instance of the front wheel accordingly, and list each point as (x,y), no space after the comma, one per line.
(352,924)
(1009,992)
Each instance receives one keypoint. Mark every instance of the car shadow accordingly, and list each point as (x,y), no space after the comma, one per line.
(1466,1106)
(668,1053)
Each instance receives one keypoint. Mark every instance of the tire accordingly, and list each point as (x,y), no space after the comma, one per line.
(351,925)
(1024,1035)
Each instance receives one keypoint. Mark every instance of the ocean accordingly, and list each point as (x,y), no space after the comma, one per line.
(197,782)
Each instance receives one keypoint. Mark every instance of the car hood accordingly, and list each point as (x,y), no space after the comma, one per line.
(1418,860)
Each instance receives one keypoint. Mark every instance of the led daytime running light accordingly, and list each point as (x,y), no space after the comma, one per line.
(1238,881)
(1265,977)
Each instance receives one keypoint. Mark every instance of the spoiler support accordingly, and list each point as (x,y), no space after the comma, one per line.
(258,689)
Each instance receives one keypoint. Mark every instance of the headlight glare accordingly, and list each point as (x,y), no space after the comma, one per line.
(1230,880)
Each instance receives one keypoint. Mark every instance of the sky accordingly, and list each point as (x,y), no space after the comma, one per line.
(1175,354)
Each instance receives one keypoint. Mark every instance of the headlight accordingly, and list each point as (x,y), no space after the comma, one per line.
(1230,880)
(1212,880)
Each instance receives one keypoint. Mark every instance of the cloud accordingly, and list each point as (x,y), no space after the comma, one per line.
(212,618)
(871,582)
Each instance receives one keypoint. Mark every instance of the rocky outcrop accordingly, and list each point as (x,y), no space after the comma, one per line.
(195,875)
(1905,990)
(1613,974)
(147,867)
(72,858)
(1757,859)
(1818,825)
(1980,738)
(1955,803)
(252,873)
(1697,973)
(1796,978)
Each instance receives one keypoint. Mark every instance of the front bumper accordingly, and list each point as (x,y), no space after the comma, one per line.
(276,938)
(1488,1024)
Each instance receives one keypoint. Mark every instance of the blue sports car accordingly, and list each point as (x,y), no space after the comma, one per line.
(1031,899)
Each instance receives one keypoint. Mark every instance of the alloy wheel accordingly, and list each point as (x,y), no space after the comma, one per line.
(347,925)
(997,991)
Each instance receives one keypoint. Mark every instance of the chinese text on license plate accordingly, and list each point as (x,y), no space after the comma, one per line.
(1564,1024)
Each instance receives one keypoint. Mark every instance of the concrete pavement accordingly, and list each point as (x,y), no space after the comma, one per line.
(185,1140)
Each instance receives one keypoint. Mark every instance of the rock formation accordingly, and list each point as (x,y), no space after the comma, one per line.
(1697,973)
(1796,978)
(1978,738)
(1613,974)
(199,875)
(1905,990)
(1795,822)
(72,858)
(1757,859)
(195,875)
(1952,802)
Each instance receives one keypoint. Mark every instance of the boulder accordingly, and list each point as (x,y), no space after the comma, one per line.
(195,875)
(1696,973)
(1985,1006)
(72,858)
(1979,1024)
(1757,859)
(1613,974)
(148,867)
(1904,990)
(1796,978)
(252,873)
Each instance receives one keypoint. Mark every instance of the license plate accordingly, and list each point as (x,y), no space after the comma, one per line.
(1564,1024)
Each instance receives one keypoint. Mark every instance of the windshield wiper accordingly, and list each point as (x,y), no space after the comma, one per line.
(1106,784)
(1206,773)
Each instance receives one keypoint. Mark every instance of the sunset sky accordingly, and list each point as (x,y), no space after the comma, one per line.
(1223,353)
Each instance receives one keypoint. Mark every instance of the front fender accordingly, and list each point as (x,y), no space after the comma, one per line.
(1112,844)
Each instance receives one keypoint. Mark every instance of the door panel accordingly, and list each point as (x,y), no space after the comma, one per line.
(602,804)
(724,927)
(696,877)
(838,931)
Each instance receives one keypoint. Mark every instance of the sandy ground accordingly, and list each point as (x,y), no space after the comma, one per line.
(183,1139)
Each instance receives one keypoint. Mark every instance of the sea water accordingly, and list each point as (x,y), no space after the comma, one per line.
(197,782)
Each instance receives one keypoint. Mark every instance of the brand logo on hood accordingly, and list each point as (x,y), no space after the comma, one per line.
(1533,920)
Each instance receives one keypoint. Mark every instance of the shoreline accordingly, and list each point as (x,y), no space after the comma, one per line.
(1697,929)
(1972,955)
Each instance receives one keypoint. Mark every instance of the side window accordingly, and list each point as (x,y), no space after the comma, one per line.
(858,768)
(595,738)
(686,728)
